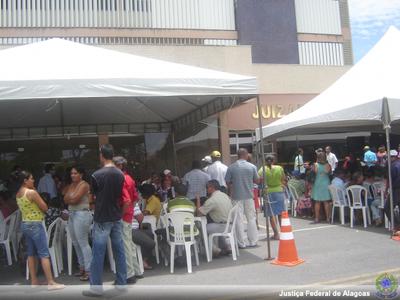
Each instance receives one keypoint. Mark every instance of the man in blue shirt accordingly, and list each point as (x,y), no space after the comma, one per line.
(240,178)
(370,158)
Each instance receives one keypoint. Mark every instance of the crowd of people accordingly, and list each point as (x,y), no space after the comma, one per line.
(311,180)
(111,205)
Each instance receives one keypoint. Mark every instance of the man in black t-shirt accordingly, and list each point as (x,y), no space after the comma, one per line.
(107,184)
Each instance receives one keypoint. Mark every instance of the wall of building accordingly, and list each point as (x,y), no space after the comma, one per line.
(270,27)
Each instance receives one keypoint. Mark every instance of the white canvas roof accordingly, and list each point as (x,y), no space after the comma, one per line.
(354,101)
(62,83)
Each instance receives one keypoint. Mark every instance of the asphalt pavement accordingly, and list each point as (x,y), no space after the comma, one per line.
(334,255)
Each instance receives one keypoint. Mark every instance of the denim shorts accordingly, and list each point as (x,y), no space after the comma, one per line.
(36,239)
(277,204)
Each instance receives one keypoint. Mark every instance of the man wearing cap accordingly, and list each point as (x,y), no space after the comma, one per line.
(395,174)
(174,179)
(370,158)
(241,176)
(207,161)
(217,170)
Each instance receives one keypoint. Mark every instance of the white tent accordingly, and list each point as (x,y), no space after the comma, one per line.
(354,102)
(366,97)
(61,83)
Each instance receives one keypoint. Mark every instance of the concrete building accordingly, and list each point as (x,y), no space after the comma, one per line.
(296,48)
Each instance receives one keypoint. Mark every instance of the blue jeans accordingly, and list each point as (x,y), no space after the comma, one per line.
(79,226)
(101,233)
(36,239)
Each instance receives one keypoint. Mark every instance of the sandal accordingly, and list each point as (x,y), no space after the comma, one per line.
(84,277)
(55,286)
(275,237)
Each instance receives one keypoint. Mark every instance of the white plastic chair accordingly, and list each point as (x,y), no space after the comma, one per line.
(5,235)
(16,234)
(53,246)
(339,201)
(179,221)
(295,198)
(357,198)
(286,195)
(140,258)
(378,189)
(229,232)
(152,220)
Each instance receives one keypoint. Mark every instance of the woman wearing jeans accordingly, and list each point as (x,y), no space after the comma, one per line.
(80,219)
(32,208)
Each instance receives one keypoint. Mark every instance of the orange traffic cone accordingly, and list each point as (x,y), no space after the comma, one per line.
(287,254)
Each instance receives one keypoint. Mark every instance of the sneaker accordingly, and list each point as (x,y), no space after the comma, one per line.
(121,288)
(131,280)
(141,276)
(92,293)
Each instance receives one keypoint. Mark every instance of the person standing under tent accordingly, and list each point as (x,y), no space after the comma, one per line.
(128,199)
(331,158)
(240,177)
(32,209)
(196,182)
(107,184)
(320,192)
(47,183)
(298,162)
(275,179)
(217,170)
(77,197)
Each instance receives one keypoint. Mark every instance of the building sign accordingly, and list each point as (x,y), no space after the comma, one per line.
(275,111)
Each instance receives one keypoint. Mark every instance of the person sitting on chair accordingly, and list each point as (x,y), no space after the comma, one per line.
(217,207)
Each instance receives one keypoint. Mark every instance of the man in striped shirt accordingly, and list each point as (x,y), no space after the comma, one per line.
(182,204)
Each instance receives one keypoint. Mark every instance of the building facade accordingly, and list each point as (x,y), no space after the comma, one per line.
(296,49)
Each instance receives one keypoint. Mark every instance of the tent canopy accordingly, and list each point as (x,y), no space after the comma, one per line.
(62,83)
(354,101)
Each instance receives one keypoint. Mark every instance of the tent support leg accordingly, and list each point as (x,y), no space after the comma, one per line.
(174,151)
(387,129)
(263,177)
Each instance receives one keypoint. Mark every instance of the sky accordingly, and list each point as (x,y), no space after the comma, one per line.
(369,21)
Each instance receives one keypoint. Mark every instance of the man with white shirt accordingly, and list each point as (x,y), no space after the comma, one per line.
(196,181)
(217,170)
(331,158)
(298,162)
(46,183)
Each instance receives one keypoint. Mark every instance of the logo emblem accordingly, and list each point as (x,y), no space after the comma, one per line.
(386,286)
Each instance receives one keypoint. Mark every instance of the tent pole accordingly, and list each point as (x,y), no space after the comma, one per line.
(174,150)
(263,176)
(387,129)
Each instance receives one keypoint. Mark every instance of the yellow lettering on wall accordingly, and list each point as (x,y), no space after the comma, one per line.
(267,114)
(279,109)
(275,111)
(255,114)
